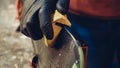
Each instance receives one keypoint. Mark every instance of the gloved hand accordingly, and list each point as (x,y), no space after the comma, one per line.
(40,22)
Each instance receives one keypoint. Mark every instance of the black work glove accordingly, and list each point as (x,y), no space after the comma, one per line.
(36,21)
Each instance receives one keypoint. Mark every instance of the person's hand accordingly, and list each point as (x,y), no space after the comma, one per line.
(40,23)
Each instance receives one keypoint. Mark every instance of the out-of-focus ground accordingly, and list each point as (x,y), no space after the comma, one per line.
(15,48)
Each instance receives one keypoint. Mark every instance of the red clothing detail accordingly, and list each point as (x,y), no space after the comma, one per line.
(98,8)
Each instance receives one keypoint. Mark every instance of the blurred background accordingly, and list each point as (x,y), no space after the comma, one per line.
(15,48)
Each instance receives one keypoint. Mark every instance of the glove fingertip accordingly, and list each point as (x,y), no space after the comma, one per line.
(49,36)
(61,9)
(63,6)
(49,33)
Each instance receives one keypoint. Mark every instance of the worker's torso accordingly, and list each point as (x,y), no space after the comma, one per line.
(98,8)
